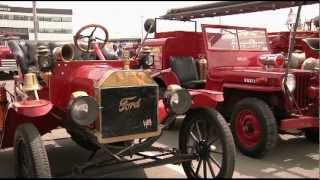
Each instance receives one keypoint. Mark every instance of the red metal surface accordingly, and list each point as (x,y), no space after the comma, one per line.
(43,123)
(167,77)
(279,42)
(224,8)
(33,108)
(304,86)
(248,128)
(205,98)
(238,70)
(299,122)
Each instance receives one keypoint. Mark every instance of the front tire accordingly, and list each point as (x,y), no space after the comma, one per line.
(254,127)
(213,144)
(30,155)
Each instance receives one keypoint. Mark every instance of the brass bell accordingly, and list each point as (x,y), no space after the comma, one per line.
(126,60)
(30,82)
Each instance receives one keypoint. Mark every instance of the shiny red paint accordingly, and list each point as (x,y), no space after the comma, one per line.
(248,128)
(205,98)
(238,72)
(279,42)
(168,77)
(33,108)
(299,122)
(50,111)
(13,119)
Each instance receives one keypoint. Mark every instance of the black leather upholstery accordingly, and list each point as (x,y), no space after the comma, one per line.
(186,70)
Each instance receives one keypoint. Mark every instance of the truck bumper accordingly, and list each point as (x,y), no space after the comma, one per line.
(299,122)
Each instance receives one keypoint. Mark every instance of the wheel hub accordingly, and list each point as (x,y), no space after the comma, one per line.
(203,148)
(248,128)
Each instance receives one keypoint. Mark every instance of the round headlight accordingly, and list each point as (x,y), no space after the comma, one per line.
(84,110)
(149,60)
(177,99)
(291,82)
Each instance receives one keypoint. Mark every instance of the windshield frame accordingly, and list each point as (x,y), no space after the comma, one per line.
(205,26)
(174,20)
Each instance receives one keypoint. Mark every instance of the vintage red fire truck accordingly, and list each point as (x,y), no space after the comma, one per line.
(262,97)
(106,106)
(306,47)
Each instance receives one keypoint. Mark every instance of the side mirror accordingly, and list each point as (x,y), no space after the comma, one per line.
(150,25)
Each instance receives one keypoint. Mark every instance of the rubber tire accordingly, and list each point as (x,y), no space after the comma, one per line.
(268,123)
(213,116)
(28,134)
(312,135)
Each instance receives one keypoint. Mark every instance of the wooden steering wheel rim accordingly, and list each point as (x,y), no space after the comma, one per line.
(77,36)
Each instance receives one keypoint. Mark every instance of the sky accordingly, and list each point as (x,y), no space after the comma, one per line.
(125,18)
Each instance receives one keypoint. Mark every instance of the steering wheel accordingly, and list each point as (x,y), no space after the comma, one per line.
(82,36)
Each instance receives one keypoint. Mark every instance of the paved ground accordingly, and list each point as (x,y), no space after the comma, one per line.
(294,157)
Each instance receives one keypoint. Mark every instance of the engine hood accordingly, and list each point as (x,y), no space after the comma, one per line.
(70,77)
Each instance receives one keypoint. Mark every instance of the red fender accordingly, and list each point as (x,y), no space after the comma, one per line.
(33,108)
(167,76)
(205,98)
(13,119)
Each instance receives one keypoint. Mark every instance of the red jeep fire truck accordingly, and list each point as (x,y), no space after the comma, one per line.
(263,97)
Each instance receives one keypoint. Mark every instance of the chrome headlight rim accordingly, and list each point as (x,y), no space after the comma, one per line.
(83,110)
(149,60)
(291,82)
(177,99)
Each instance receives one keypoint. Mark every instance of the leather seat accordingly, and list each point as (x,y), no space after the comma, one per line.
(186,70)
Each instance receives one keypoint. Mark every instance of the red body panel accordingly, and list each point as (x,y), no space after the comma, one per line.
(279,42)
(238,70)
(43,123)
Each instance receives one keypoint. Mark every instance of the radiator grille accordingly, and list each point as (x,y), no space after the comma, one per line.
(303,82)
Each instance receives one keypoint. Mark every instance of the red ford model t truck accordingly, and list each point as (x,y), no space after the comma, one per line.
(105,106)
(261,98)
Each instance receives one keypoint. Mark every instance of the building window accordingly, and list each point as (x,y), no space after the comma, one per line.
(40,18)
(51,30)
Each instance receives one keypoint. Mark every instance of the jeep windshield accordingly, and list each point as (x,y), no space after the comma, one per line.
(236,38)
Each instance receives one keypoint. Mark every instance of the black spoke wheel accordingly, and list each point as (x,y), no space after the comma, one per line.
(30,155)
(205,133)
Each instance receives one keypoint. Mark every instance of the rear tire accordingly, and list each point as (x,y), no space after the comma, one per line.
(30,155)
(211,123)
(254,127)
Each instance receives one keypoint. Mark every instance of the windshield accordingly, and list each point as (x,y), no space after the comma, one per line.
(166,25)
(236,39)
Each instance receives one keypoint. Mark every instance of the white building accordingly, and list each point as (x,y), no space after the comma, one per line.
(54,24)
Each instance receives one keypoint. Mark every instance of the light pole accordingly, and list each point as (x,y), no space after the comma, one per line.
(35,20)
(142,29)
